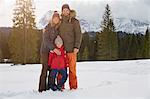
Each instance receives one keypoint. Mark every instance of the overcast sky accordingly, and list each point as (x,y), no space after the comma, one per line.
(88,9)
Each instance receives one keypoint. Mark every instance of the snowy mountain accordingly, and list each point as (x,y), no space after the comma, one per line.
(88,26)
(131,25)
(121,24)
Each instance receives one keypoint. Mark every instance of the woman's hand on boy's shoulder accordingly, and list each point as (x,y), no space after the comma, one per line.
(57,51)
(51,51)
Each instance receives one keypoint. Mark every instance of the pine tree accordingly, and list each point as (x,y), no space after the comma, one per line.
(122,39)
(133,47)
(107,41)
(140,40)
(85,44)
(85,55)
(146,48)
(1,56)
(23,39)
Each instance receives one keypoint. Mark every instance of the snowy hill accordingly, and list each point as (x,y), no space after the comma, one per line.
(97,80)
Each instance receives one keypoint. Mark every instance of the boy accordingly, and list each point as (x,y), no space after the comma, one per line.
(58,65)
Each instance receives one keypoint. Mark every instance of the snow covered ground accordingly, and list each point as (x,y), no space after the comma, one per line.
(97,80)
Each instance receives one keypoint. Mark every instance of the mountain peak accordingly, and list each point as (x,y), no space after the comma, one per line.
(131,25)
(121,24)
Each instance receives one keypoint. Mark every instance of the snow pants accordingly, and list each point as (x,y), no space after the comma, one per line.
(72,58)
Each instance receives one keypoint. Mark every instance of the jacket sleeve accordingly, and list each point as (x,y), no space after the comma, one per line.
(47,41)
(66,59)
(78,34)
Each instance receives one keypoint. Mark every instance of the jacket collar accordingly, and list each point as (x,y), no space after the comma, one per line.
(62,47)
(65,18)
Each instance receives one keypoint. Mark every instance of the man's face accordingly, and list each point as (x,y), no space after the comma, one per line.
(66,12)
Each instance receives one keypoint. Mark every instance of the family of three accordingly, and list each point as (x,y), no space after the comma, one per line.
(61,42)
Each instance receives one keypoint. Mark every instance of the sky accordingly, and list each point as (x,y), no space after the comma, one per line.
(88,9)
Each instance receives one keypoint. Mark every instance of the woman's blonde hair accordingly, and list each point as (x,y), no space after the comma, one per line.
(56,14)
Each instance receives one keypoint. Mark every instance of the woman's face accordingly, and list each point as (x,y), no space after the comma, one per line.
(56,20)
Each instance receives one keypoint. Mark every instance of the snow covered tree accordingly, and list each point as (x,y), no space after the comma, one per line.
(107,42)
(146,48)
(23,39)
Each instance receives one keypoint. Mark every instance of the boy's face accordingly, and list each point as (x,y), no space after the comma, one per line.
(59,45)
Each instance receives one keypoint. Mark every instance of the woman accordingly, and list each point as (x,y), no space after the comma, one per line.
(49,34)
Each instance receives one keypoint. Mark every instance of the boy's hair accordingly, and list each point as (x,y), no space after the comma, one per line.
(58,40)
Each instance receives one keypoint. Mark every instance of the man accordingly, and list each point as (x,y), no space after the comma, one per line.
(70,32)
